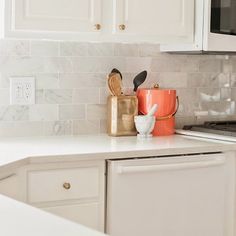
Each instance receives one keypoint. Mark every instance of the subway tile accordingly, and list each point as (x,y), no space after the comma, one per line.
(19,129)
(149,50)
(86,127)
(86,64)
(100,49)
(44,48)
(43,112)
(39,96)
(165,65)
(210,65)
(23,65)
(138,64)
(14,113)
(103,94)
(58,96)
(233,94)
(4,97)
(103,126)
(225,94)
(86,96)
(109,63)
(73,49)
(82,80)
(233,80)
(188,102)
(173,80)
(57,128)
(209,94)
(180,122)
(233,64)
(14,47)
(72,112)
(219,108)
(96,111)
(47,81)
(57,64)
(126,49)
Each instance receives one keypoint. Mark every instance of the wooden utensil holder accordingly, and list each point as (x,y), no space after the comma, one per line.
(121,112)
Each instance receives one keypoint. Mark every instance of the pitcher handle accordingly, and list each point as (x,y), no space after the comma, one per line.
(170,115)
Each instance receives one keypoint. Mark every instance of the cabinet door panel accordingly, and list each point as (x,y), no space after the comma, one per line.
(155,18)
(57,15)
(85,214)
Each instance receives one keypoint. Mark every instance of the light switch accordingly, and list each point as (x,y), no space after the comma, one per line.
(22,90)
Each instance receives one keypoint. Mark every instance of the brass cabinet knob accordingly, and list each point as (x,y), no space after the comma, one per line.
(97,26)
(122,27)
(66,186)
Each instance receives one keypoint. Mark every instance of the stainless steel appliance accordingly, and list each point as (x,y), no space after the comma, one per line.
(221,130)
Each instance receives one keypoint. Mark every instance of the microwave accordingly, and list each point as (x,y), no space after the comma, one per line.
(214,29)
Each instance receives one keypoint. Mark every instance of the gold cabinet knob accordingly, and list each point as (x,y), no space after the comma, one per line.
(97,26)
(122,27)
(66,186)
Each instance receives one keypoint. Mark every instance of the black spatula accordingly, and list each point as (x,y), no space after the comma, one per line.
(139,79)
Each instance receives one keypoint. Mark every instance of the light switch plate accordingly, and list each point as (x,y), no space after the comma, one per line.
(22,90)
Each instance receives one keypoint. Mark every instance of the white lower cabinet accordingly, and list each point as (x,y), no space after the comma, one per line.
(87,214)
(74,191)
(187,195)
(9,186)
(175,196)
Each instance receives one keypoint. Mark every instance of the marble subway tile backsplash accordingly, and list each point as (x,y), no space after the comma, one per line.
(71,84)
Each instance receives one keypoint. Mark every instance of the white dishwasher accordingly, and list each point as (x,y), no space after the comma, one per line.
(172,196)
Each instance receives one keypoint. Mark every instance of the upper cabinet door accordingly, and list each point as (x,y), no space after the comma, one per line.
(155,20)
(83,16)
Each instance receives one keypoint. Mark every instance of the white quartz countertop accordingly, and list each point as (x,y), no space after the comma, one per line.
(19,151)
(18,219)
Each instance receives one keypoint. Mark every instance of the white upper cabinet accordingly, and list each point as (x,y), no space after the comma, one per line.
(50,18)
(101,20)
(167,20)
(57,15)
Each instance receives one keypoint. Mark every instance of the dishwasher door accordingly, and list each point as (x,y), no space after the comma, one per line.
(173,196)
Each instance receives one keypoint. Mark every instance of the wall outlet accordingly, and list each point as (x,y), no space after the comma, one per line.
(22,90)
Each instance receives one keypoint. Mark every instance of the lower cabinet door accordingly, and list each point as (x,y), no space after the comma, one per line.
(84,214)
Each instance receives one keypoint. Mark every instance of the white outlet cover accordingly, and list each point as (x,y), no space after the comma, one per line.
(22,90)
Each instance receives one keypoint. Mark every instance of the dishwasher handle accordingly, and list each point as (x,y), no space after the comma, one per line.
(217,161)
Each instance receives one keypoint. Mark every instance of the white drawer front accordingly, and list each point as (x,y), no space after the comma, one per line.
(47,185)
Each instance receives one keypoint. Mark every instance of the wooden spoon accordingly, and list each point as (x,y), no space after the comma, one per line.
(115,84)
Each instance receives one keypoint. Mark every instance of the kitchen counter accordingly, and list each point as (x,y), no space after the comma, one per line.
(15,152)
(19,219)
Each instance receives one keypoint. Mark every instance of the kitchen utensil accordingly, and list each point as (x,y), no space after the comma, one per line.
(139,79)
(153,110)
(167,102)
(110,85)
(117,71)
(144,125)
(115,84)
